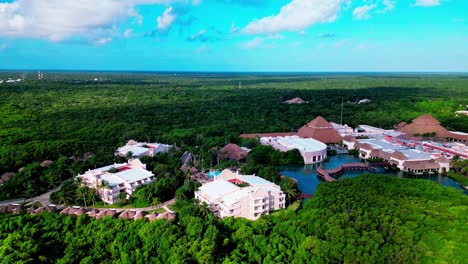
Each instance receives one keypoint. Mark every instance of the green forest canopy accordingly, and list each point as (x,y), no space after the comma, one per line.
(370,219)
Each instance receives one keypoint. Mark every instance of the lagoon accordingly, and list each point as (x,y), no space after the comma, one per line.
(308,181)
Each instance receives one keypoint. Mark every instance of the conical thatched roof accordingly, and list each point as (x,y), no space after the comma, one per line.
(152,216)
(296,100)
(17,210)
(321,130)
(128,215)
(233,152)
(8,208)
(105,213)
(167,215)
(32,210)
(93,213)
(139,215)
(424,124)
(69,211)
(81,211)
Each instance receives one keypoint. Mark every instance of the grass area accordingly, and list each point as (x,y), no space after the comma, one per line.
(173,207)
(159,211)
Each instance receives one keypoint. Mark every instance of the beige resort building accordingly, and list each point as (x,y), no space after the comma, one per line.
(114,179)
(234,195)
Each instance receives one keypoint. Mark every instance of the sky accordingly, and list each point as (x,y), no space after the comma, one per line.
(235,35)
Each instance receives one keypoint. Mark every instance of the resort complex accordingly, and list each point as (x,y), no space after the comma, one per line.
(117,181)
(313,151)
(234,195)
(419,147)
(135,149)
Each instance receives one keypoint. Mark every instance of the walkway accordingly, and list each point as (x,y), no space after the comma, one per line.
(43,198)
(328,175)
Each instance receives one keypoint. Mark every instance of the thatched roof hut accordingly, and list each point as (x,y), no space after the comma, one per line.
(81,211)
(128,215)
(9,208)
(105,213)
(139,215)
(153,216)
(168,216)
(233,152)
(69,211)
(31,210)
(93,213)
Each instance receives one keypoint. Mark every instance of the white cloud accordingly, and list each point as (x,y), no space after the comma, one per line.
(254,43)
(103,41)
(58,20)
(389,5)
(296,16)
(427,3)
(166,20)
(128,33)
(341,43)
(362,12)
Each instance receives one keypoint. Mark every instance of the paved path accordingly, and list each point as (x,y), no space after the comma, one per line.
(43,198)
(163,205)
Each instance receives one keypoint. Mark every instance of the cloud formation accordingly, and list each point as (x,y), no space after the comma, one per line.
(427,3)
(362,12)
(166,20)
(58,20)
(296,16)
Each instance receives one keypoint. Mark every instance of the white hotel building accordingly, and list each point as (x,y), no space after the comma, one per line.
(140,149)
(234,195)
(117,178)
(313,151)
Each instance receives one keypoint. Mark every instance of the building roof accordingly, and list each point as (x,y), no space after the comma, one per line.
(301,144)
(349,139)
(218,188)
(233,152)
(254,180)
(134,174)
(421,164)
(458,135)
(111,179)
(321,130)
(296,100)
(399,156)
(424,124)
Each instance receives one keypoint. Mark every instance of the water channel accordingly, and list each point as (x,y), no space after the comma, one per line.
(307,178)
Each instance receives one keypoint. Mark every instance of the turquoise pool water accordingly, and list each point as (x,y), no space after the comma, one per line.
(308,180)
(213,174)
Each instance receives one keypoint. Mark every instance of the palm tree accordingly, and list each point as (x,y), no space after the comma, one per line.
(289,188)
(82,192)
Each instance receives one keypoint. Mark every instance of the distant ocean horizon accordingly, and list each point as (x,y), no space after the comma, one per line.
(271,73)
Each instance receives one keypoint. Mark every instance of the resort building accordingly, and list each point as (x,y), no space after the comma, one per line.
(405,155)
(138,149)
(313,151)
(234,195)
(112,180)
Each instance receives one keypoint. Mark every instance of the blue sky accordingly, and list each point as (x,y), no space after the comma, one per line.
(235,35)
